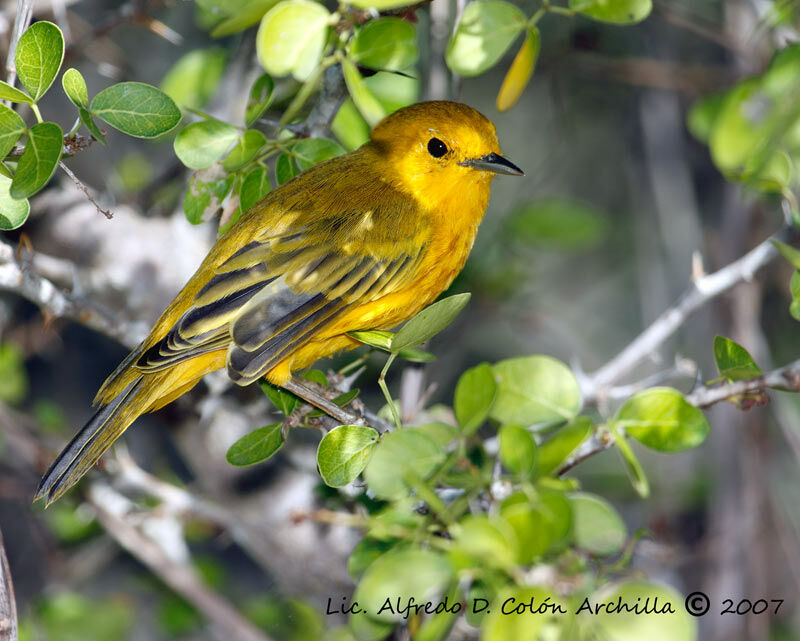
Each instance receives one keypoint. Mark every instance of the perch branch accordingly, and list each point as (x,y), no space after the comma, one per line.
(85,190)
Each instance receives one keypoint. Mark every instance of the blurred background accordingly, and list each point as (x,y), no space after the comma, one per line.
(573,261)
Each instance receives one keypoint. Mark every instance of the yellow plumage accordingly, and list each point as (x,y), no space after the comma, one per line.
(362,241)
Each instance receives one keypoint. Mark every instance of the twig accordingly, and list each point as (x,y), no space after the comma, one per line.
(85,190)
(17,277)
(112,509)
(8,605)
(331,97)
(23,17)
(700,292)
(784,377)
(703,397)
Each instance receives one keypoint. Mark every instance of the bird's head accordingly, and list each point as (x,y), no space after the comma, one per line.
(442,141)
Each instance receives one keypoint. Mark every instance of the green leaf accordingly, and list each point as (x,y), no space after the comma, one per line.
(533,531)
(535,389)
(520,71)
(13,211)
(205,193)
(441,433)
(194,78)
(632,466)
(374,338)
(485,540)
(242,17)
(39,160)
(788,252)
(380,5)
(89,123)
(13,377)
(255,186)
(12,126)
(517,450)
(475,393)
(256,446)
(794,285)
(259,98)
(366,552)
(486,30)
(344,452)
(557,449)
(404,573)
(364,100)
(7,92)
(40,52)
(661,419)
(703,115)
(245,150)
(501,626)
(400,453)
(429,322)
(596,526)
(203,143)
(614,624)
(416,355)
(291,38)
(284,401)
(385,44)
(136,109)
(437,626)
(734,361)
(560,223)
(75,87)
(614,11)
(285,169)
(310,151)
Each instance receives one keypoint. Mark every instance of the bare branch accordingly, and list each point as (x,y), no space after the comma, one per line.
(85,190)
(17,277)
(700,292)
(112,509)
(8,605)
(331,97)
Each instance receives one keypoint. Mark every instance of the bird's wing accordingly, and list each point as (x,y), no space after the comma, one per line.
(279,290)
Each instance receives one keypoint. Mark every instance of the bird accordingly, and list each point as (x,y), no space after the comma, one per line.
(364,240)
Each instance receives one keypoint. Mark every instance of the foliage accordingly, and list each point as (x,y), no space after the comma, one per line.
(134,108)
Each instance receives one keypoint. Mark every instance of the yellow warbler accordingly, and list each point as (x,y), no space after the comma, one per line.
(362,241)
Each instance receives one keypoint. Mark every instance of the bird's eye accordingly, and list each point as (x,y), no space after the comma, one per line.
(436,148)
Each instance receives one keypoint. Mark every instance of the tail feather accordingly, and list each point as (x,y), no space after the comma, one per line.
(88,445)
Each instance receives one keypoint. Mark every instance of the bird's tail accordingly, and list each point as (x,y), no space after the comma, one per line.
(105,427)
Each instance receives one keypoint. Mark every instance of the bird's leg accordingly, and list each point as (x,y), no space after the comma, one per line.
(309,395)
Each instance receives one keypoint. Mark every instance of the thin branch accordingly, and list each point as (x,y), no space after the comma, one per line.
(85,190)
(8,605)
(331,97)
(700,292)
(17,277)
(21,21)
(112,509)
(703,397)
(787,377)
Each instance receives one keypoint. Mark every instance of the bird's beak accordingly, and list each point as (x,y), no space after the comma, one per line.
(495,163)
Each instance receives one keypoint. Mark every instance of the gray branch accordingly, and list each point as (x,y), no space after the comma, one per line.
(702,290)
(8,606)
(17,277)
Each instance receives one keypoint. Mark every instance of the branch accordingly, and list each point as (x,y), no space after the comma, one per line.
(112,509)
(8,606)
(85,190)
(331,97)
(702,290)
(702,397)
(17,277)
(787,377)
